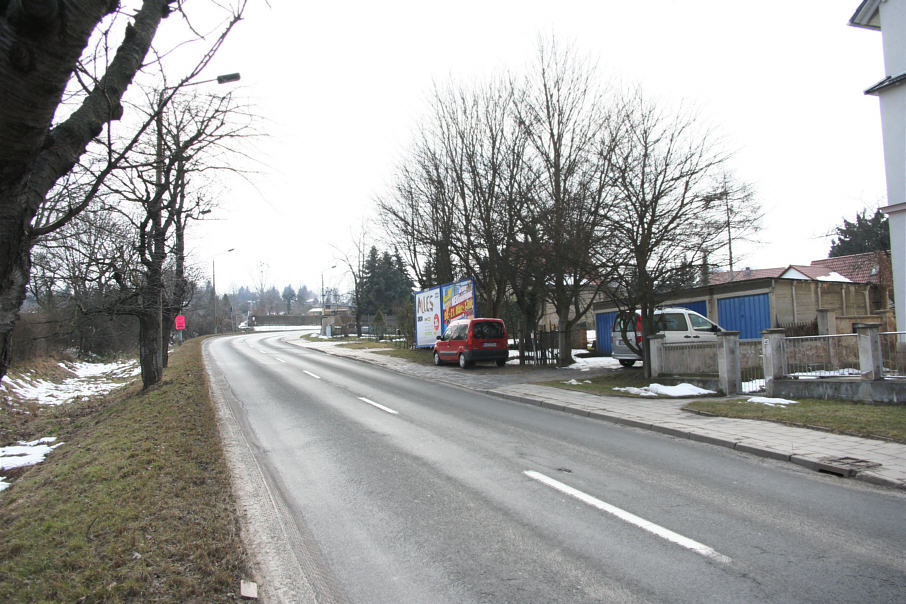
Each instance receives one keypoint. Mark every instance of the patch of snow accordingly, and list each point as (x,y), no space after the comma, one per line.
(771,402)
(834,276)
(575,382)
(680,390)
(24,454)
(90,379)
(588,363)
(636,391)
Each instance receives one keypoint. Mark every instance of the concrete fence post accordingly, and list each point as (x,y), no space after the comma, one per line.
(827,322)
(772,357)
(729,375)
(870,362)
(656,348)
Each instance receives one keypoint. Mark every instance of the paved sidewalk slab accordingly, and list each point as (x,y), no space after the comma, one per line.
(875,461)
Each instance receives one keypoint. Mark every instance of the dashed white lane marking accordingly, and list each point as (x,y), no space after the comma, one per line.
(317,377)
(663,533)
(378,405)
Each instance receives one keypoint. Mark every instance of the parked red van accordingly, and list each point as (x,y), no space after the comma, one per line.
(468,340)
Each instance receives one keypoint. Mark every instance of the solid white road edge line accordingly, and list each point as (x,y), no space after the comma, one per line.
(663,533)
(379,406)
(312,374)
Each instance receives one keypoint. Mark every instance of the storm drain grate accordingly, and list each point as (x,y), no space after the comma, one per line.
(846,466)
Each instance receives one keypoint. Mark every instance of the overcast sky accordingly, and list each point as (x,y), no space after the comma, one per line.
(341,87)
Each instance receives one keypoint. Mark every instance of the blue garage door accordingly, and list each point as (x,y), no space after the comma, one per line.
(603,327)
(699,306)
(746,314)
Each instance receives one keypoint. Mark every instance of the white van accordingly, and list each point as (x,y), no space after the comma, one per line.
(677,325)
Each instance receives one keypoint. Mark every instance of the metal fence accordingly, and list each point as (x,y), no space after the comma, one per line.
(893,353)
(821,356)
(690,359)
(751,366)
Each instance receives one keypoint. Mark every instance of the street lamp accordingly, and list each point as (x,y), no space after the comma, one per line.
(322,289)
(214,283)
(159,118)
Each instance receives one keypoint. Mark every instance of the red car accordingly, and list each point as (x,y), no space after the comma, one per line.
(468,340)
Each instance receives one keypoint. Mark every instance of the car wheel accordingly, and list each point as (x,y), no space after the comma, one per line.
(463,362)
(627,362)
(436,359)
(501,362)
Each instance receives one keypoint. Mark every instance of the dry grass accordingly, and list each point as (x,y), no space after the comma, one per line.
(842,417)
(134,506)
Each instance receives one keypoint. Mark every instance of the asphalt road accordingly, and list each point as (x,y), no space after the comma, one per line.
(370,486)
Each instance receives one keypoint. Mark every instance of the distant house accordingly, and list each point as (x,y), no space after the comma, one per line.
(849,288)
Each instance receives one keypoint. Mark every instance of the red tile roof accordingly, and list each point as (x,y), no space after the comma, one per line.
(859,268)
(870,267)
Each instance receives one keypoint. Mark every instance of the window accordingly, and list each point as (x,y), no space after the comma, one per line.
(487,331)
(670,321)
(701,323)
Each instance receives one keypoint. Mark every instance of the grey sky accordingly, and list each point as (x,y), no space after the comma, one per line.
(343,85)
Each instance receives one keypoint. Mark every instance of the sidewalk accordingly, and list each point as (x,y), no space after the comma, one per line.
(875,461)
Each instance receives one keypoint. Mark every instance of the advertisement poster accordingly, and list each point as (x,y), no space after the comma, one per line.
(437,306)
(428,323)
(458,300)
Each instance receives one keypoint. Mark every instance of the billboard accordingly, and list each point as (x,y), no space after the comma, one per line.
(458,300)
(437,306)
(428,324)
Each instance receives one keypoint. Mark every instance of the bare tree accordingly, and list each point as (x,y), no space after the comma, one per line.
(43,66)
(193,138)
(672,213)
(572,137)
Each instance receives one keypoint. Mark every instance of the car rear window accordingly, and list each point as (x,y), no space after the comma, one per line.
(490,330)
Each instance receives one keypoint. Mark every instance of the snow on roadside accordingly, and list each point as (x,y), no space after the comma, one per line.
(679,390)
(24,454)
(90,379)
(771,402)
(588,363)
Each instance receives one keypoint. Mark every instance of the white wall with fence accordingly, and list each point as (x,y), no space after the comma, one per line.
(869,365)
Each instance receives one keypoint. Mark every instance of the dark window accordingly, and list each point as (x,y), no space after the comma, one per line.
(671,321)
(487,331)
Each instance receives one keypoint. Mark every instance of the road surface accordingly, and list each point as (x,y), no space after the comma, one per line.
(363,485)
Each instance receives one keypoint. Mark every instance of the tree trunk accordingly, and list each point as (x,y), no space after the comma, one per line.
(149,347)
(15,263)
(563,341)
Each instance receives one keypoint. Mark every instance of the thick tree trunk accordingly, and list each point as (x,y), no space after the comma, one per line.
(149,348)
(563,341)
(15,264)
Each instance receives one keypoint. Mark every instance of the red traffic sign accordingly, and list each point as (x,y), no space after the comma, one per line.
(180,321)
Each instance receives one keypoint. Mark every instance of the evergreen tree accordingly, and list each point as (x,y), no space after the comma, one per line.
(863,235)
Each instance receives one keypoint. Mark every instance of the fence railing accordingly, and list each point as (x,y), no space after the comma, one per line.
(821,356)
(751,366)
(893,353)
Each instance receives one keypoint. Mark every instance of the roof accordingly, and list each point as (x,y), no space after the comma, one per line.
(856,268)
(866,15)
(888,82)
(745,275)
(859,268)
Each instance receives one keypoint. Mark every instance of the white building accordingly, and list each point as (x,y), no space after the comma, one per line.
(889,17)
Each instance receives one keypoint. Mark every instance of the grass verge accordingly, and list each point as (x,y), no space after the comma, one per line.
(605,384)
(136,505)
(842,417)
(425,356)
